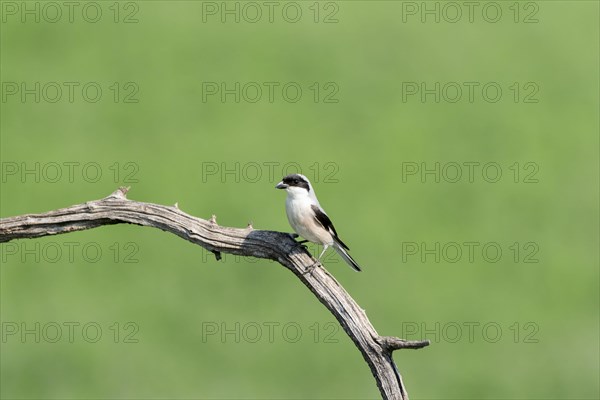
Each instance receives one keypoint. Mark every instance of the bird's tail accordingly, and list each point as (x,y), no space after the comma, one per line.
(344,254)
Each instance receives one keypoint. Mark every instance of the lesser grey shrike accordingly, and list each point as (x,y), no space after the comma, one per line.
(308,219)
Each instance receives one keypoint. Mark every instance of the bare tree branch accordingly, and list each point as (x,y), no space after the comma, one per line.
(281,247)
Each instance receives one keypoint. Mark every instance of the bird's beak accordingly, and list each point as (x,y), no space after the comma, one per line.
(281,185)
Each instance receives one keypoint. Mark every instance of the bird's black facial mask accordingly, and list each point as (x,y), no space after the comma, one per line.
(295,180)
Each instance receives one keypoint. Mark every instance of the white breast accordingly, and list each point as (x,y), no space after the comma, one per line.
(301,218)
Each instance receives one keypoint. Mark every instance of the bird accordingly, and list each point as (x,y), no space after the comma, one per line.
(309,220)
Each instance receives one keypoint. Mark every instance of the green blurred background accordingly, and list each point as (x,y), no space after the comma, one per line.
(203,327)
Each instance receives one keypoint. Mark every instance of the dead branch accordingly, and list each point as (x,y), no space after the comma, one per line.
(281,247)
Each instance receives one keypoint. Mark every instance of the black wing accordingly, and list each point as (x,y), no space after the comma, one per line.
(324,220)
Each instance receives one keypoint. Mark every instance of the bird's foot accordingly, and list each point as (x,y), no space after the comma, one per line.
(295,236)
(311,268)
(300,242)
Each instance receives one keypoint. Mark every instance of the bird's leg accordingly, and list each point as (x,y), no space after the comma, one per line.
(325,247)
(310,268)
